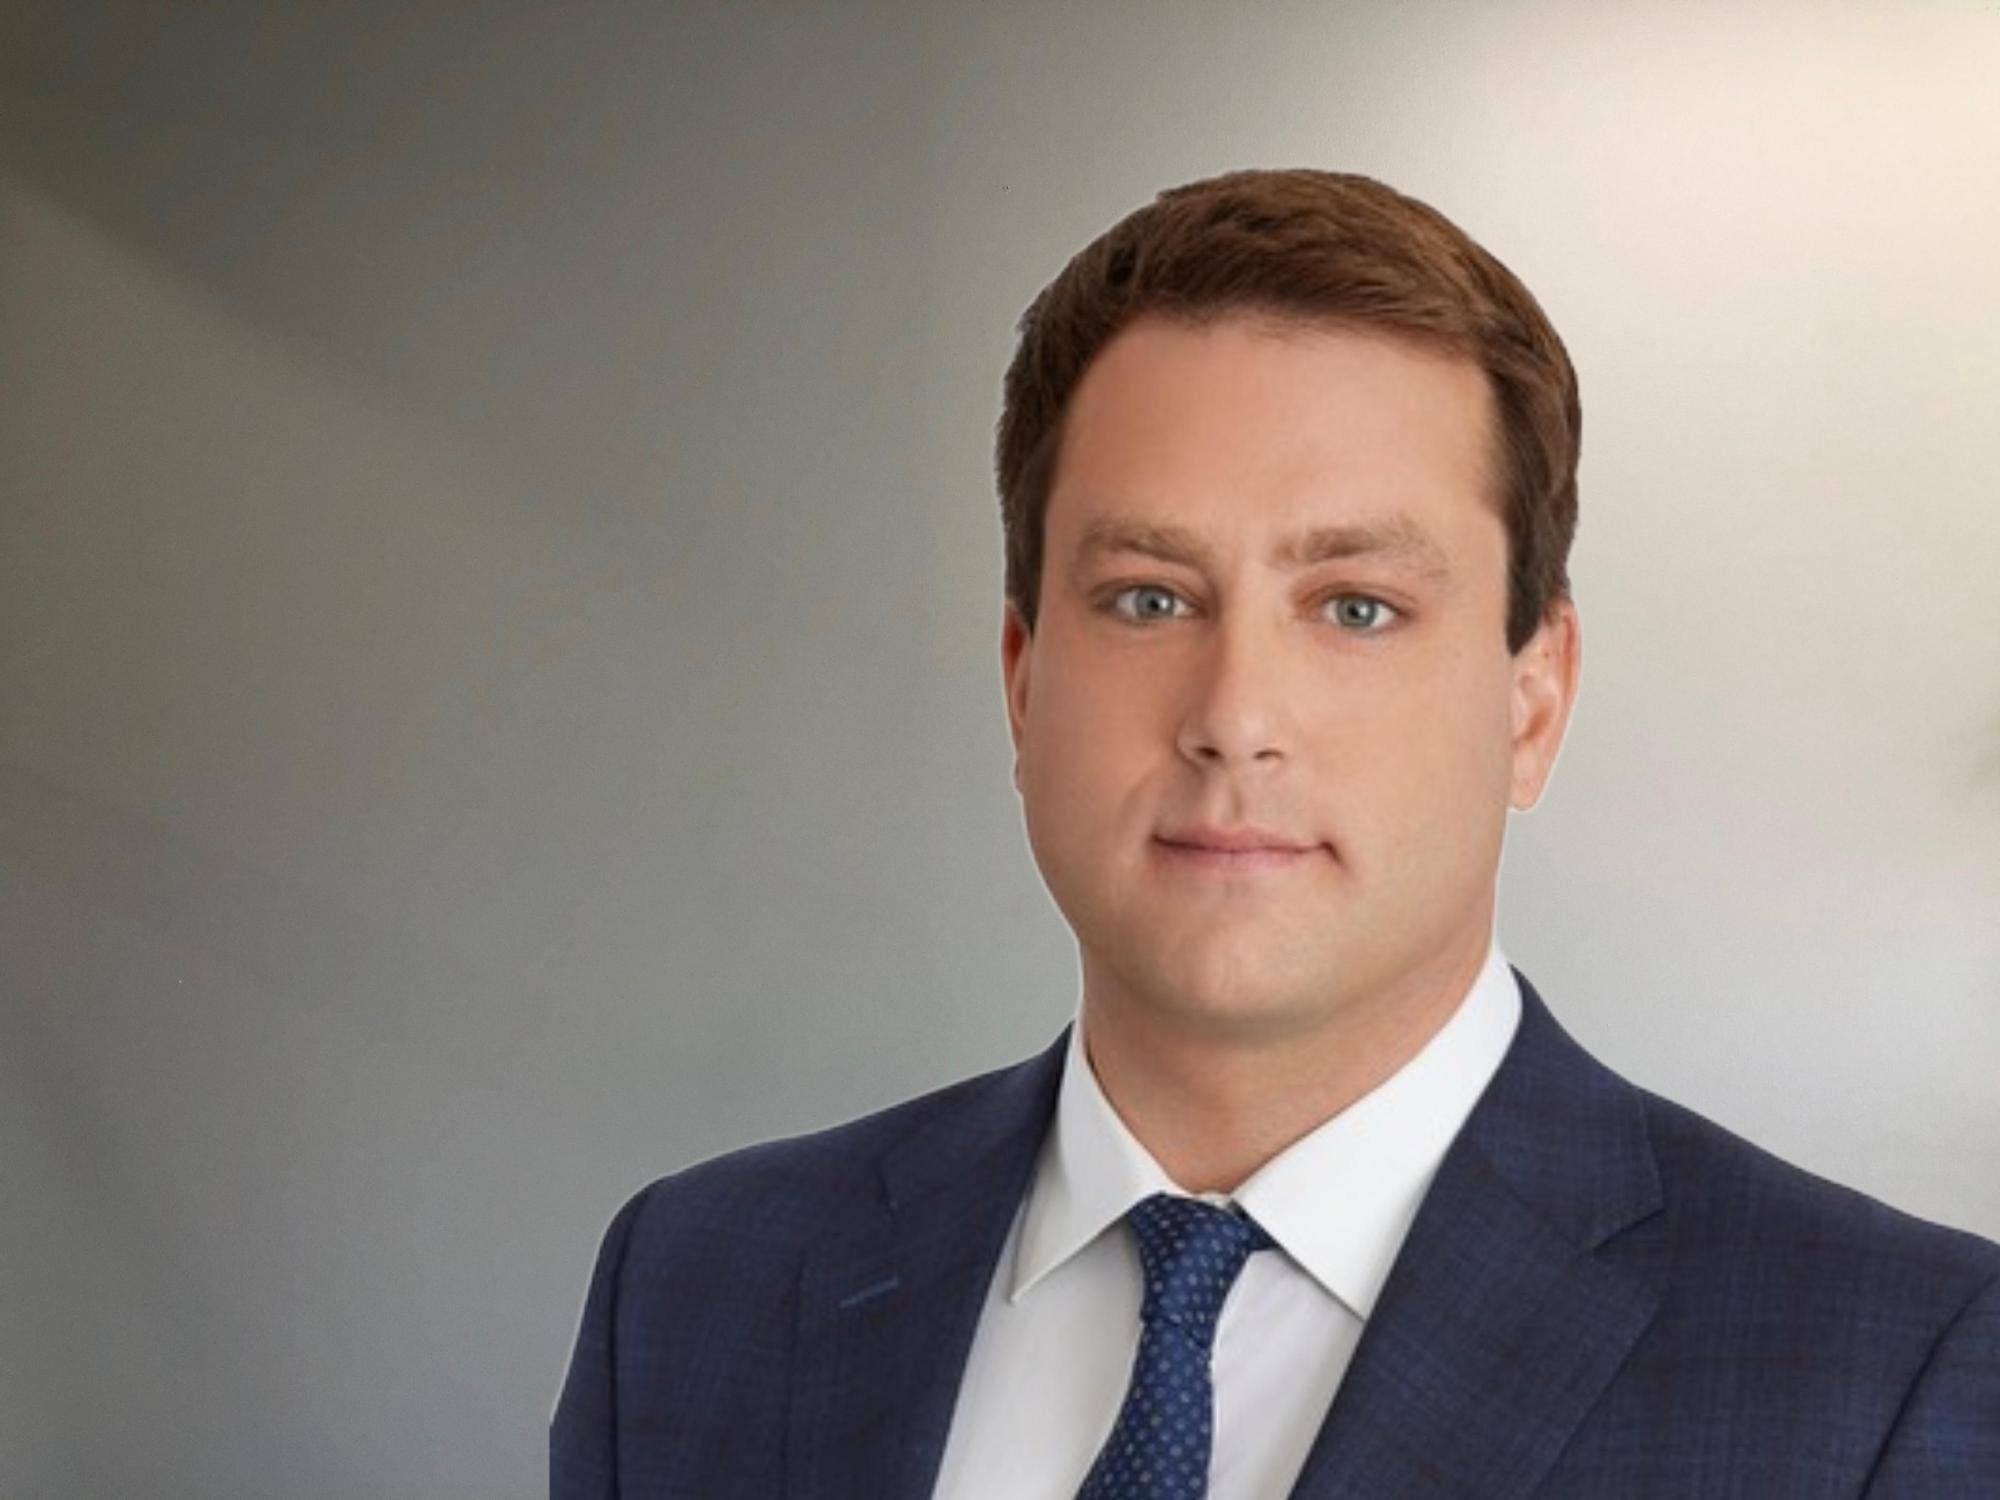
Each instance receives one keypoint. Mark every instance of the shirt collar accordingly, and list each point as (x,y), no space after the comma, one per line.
(1338,1201)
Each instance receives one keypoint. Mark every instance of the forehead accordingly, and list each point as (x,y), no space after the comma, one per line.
(1248,421)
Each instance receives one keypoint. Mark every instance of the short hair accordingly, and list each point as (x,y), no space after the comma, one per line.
(1312,247)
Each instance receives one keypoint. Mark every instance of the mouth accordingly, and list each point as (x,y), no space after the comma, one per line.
(1233,850)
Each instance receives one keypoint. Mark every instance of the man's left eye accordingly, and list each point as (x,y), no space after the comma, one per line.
(1361,613)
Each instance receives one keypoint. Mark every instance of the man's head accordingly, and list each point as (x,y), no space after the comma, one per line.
(1276,666)
(1320,248)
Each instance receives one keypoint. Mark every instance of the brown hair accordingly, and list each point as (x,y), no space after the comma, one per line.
(1315,247)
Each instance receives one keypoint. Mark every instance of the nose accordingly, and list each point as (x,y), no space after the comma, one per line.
(1236,715)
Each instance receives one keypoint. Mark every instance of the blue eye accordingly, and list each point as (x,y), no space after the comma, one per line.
(1360,613)
(1146,601)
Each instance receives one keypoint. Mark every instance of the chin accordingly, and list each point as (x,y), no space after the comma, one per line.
(1239,1000)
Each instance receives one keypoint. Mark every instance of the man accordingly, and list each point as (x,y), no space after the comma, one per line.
(1316,1198)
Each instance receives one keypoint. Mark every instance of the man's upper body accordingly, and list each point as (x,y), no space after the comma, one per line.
(1602,1295)
(1287,471)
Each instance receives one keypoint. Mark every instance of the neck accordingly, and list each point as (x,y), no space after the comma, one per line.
(1213,1103)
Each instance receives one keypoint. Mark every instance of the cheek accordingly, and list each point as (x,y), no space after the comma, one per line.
(1093,718)
(1094,761)
(1074,744)
(1454,731)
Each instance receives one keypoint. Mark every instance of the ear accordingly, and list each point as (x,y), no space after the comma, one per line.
(1016,648)
(1546,669)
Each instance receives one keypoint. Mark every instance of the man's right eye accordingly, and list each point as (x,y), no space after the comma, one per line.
(1147,601)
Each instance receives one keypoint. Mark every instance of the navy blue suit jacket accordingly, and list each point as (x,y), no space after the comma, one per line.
(1603,1295)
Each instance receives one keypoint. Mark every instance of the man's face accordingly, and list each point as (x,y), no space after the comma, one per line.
(1267,727)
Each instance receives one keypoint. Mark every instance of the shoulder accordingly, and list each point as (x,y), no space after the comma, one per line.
(1731,1199)
(1760,1264)
(1815,1297)
(690,1323)
(711,1258)
(1734,1215)
(1792,1296)
(772,1199)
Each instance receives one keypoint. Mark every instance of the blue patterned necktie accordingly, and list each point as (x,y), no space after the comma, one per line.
(1159,1446)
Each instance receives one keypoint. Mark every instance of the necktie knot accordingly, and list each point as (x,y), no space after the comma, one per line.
(1192,1253)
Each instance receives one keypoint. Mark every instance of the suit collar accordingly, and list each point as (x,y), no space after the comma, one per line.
(1534,1264)
(888,1306)
(1000,1115)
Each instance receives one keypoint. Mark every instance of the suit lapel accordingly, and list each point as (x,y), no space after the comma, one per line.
(1533,1266)
(888,1309)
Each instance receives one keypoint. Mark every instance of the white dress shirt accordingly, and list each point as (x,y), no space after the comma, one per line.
(1053,1352)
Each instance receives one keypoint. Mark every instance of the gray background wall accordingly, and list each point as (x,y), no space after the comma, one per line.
(499,600)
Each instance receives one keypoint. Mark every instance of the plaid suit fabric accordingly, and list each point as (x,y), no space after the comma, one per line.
(1603,1294)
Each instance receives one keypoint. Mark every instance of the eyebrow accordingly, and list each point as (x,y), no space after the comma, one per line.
(1395,538)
